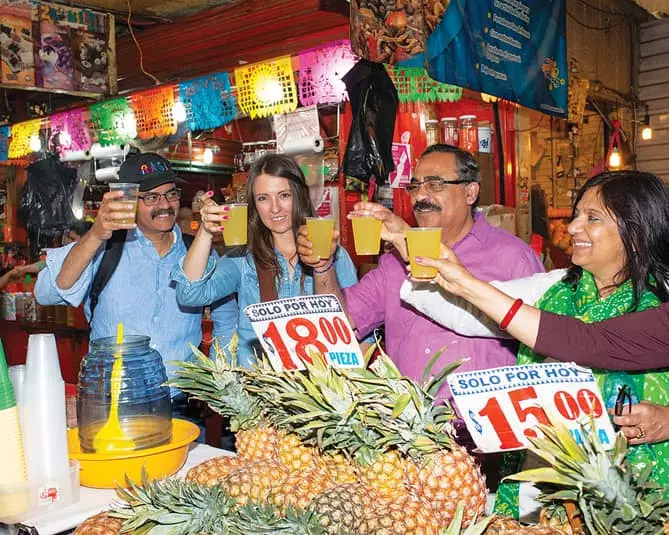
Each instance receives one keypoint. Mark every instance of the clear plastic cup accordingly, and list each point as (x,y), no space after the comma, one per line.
(366,235)
(130,194)
(235,229)
(426,242)
(320,231)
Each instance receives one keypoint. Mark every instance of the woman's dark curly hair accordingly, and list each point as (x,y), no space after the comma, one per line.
(640,204)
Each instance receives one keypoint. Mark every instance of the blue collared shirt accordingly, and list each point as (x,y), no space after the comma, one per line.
(141,295)
(236,272)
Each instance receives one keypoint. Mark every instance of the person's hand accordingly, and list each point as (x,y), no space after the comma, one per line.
(305,251)
(393,227)
(15,273)
(646,423)
(110,216)
(213,215)
(453,276)
(30,268)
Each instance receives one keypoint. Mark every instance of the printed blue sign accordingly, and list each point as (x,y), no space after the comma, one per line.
(512,49)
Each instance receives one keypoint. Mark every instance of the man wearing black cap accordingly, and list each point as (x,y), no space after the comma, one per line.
(139,293)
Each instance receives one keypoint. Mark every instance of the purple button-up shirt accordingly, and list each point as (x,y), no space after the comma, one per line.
(411,339)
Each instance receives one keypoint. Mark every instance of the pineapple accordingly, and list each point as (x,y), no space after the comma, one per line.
(220,383)
(383,472)
(299,489)
(254,481)
(340,508)
(387,423)
(503,525)
(340,469)
(608,496)
(213,471)
(294,455)
(100,524)
(407,515)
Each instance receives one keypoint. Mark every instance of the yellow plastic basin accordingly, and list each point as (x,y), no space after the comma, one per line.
(109,470)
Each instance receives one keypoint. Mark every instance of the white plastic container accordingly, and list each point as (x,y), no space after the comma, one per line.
(44,422)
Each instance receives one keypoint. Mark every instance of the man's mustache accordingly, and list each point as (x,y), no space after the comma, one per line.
(426,206)
(162,211)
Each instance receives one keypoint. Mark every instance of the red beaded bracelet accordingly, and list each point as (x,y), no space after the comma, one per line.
(511,313)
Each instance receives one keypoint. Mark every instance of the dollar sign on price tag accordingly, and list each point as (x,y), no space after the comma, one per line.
(503,406)
(291,330)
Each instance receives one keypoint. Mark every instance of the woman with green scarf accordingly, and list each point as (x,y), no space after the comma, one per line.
(620,237)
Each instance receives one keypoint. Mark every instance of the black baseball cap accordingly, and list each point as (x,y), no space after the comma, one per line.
(147,169)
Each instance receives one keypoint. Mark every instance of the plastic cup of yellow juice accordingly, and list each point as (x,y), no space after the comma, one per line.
(235,228)
(423,241)
(320,231)
(130,193)
(366,234)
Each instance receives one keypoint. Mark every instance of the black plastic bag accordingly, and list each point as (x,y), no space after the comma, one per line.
(46,201)
(374,105)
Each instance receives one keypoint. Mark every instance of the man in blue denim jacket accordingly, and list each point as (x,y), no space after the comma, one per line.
(140,293)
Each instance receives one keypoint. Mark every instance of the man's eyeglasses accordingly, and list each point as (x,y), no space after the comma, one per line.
(151,199)
(433,184)
(624,396)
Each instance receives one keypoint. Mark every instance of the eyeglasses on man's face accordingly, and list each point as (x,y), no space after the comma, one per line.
(432,184)
(151,199)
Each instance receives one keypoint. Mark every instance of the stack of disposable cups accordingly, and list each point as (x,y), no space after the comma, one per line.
(44,424)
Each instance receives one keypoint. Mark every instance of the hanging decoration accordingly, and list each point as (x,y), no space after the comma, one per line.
(113,122)
(19,144)
(321,70)
(414,85)
(4,142)
(208,101)
(264,89)
(154,112)
(69,132)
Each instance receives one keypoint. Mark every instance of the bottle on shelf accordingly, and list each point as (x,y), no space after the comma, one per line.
(469,134)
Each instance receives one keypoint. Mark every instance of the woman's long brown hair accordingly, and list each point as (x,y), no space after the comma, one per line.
(259,236)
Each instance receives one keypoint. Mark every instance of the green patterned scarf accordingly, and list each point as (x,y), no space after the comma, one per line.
(585,304)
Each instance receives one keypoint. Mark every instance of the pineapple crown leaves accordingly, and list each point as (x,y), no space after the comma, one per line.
(176,507)
(612,499)
(219,383)
(173,507)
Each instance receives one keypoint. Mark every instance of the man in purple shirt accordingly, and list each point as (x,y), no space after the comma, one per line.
(443,194)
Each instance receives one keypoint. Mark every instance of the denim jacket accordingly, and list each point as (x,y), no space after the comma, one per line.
(236,272)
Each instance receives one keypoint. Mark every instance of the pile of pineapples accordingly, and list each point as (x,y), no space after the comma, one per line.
(331,451)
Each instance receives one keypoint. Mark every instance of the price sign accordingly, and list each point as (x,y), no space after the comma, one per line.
(502,406)
(290,329)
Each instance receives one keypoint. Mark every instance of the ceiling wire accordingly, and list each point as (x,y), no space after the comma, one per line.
(139,48)
(597,28)
(600,9)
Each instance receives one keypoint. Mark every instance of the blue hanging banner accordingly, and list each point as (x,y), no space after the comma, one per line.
(4,142)
(513,49)
(208,101)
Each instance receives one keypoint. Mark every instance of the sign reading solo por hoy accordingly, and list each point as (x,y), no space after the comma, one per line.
(502,406)
(291,329)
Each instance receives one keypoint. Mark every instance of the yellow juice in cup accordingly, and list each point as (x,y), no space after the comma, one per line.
(130,205)
(235,228)
(423,241)
(366,234)
(320,234)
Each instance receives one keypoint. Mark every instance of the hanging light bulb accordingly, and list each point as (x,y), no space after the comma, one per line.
(35,143)
(647,133)
(179,112)
(615,159)
(208,156)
